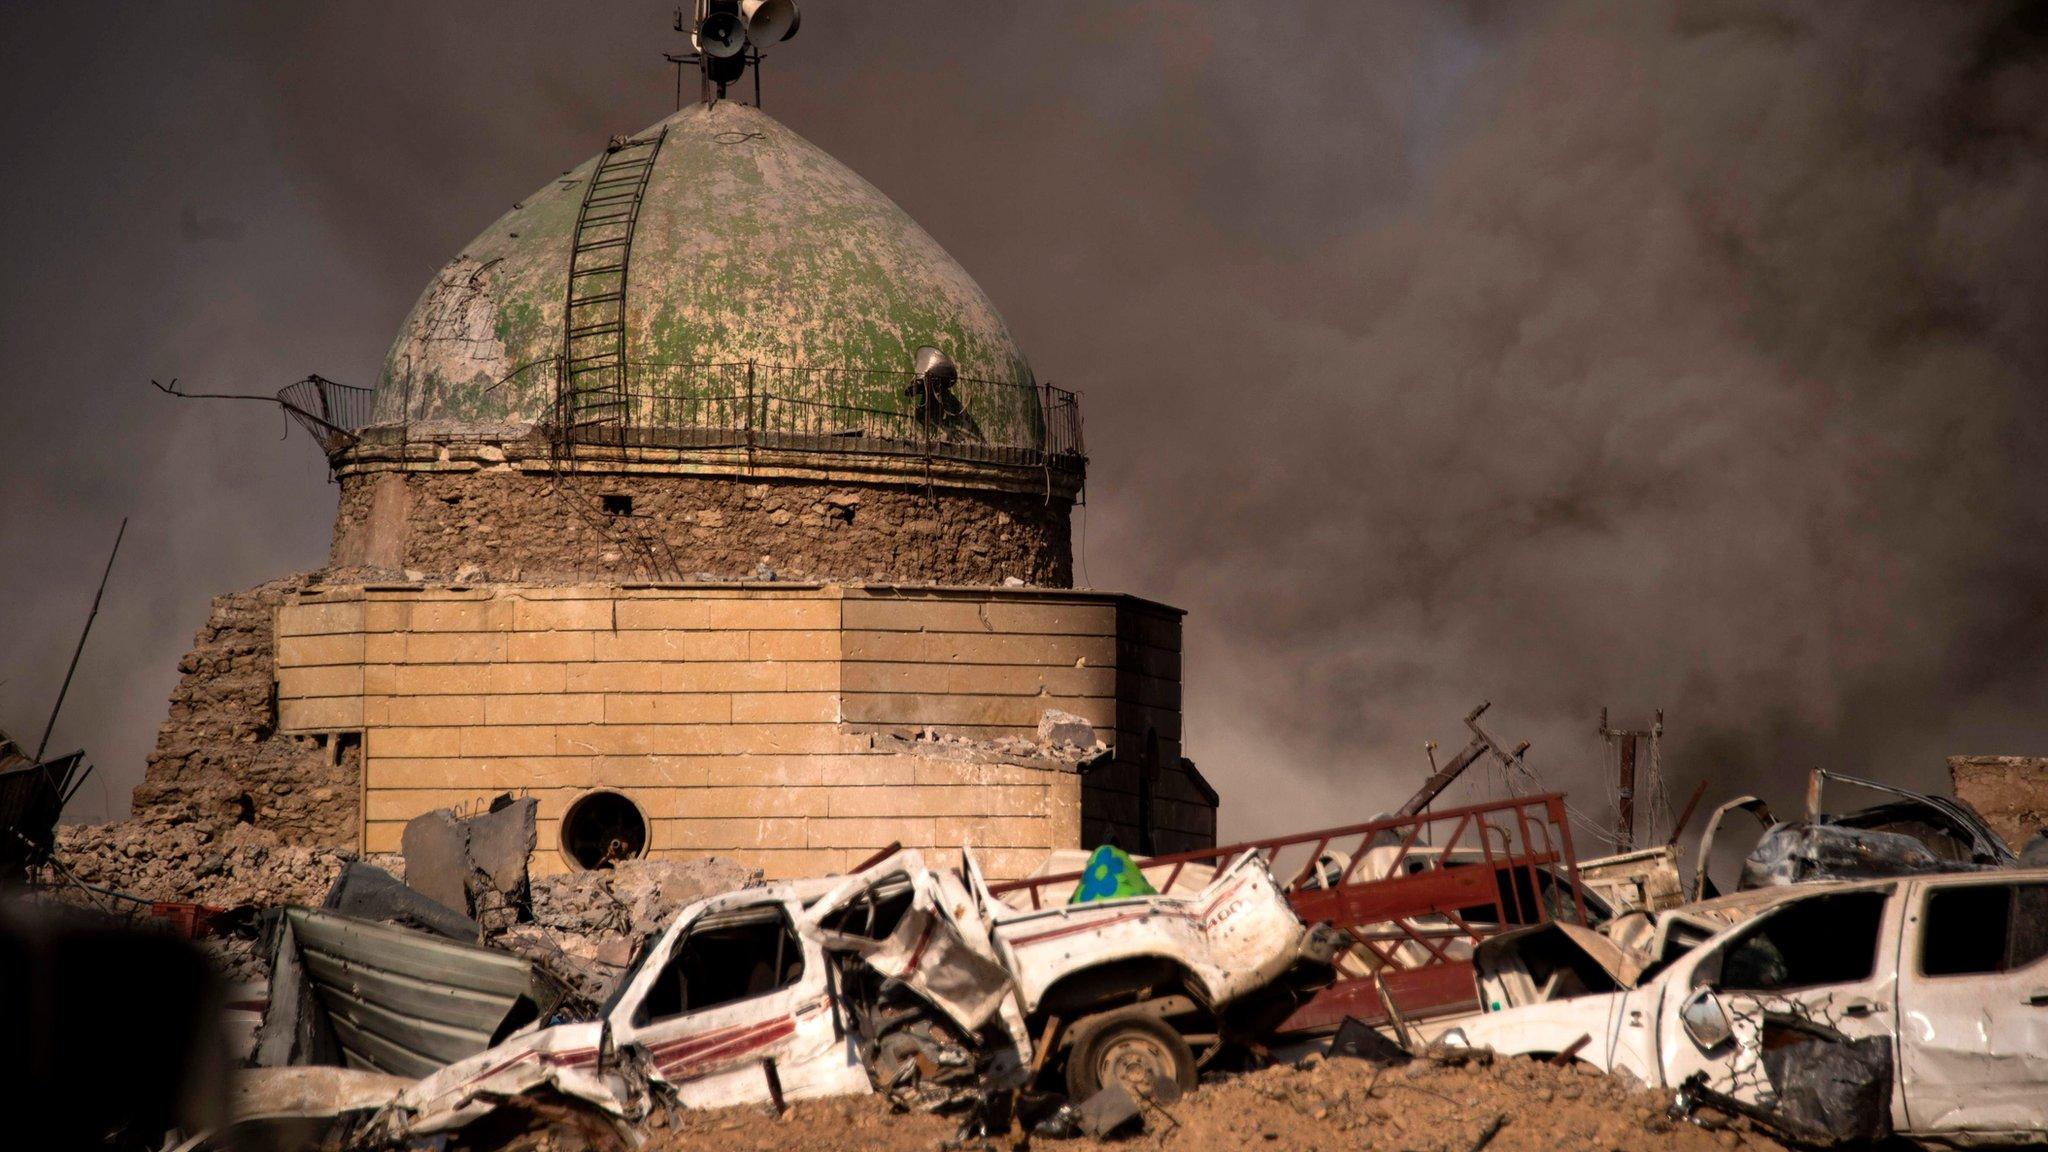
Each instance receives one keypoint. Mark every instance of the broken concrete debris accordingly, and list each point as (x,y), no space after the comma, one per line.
(366,892)
(2009,792)
(475,864)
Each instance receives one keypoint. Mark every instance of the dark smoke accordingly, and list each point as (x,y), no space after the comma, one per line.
(1679,355)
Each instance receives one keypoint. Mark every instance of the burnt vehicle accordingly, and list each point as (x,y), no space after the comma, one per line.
(908,980)
(1911,834)
(1837,1012)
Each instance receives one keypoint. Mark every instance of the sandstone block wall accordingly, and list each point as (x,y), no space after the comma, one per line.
(789,727)
(509,524)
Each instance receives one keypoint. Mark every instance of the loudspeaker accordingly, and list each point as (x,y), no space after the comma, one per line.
(721,35)
(769,21)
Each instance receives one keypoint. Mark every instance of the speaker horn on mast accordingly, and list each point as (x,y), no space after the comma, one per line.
(769,21)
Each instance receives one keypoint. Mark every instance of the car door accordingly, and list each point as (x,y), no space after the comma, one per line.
(1829,959)
(737,990)
(930,936)
(1973,1006)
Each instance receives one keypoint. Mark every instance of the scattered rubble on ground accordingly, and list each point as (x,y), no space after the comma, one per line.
(1324,1105)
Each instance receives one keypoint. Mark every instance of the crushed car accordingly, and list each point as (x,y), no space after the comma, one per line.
(1911,833)
(908,980)
(1915,1006)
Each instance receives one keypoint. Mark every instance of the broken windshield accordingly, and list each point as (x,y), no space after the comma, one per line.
(1809,943)
(724,957)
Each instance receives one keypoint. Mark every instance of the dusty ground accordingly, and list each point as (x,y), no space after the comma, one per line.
(1334,1106)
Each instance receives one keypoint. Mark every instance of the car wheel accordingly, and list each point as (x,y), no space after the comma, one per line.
(1130,1047)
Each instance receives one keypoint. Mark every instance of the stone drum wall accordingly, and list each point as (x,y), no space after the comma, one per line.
(508,524)
(796,728)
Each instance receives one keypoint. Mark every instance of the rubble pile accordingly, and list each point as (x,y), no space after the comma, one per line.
(1528,1106)
(633,897)
(185,862)
(585,924)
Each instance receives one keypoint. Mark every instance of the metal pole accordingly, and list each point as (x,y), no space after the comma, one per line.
(80,650)
(1625,821)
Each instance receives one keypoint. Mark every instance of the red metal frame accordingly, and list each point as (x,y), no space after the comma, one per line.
(1412,922)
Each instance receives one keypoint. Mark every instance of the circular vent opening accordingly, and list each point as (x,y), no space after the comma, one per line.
(603,828)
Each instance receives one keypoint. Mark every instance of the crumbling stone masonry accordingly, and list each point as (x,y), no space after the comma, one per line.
(219,760)
(502,523)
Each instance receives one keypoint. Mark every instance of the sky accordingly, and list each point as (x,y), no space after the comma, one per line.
(1643,354)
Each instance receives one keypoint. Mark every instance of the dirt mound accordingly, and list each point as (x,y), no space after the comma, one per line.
(1338,1104)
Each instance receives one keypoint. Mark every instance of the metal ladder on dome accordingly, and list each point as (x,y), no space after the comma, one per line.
(592,385)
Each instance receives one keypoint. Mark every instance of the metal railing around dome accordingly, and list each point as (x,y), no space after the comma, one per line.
(772,407)
(331,412)
(752,406)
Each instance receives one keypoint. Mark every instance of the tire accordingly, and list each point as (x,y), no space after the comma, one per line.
(1128,1046)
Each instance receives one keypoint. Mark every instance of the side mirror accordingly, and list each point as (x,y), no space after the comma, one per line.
(1705,1020)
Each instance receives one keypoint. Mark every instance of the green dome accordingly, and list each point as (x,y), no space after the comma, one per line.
(751,245)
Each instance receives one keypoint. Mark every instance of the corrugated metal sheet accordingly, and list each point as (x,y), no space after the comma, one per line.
(405,1002)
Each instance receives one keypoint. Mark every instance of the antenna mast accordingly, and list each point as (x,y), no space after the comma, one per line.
(44,743)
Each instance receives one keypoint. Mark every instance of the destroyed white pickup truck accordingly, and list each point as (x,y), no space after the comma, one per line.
(1916,1006)
(908,980)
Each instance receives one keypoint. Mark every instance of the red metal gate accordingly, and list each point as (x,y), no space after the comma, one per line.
(1414,894)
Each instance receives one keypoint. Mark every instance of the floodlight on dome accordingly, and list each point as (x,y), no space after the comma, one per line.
(934,367)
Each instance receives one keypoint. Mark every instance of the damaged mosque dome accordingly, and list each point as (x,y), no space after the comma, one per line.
(706,499)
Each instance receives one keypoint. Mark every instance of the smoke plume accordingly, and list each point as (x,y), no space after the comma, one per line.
(1681,354)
